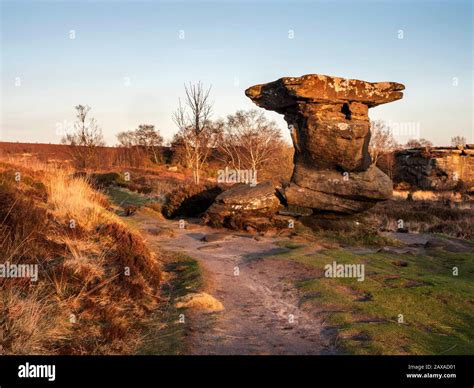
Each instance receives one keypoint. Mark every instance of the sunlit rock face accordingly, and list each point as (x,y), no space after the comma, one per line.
(436,168)
(330,127)
(260,199)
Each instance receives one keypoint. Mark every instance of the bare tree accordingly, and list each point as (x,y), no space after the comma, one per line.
(249,140)
(85,139)
(382,140)
(149,138)
(126,139)
(143,140)
(458,141)
(195,129)
(129,153)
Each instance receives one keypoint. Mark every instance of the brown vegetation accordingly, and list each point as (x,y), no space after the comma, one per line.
(424,216)
(97,279)
(141,146)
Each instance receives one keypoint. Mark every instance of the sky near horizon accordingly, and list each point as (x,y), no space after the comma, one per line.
(129,60)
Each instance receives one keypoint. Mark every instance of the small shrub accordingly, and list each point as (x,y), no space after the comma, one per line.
(104,180)
(155,206)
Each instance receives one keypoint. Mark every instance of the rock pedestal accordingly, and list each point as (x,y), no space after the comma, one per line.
(330,128)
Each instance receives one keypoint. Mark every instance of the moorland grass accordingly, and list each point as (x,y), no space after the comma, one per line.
(437,307)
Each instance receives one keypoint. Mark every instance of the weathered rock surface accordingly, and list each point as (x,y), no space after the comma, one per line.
(242,199)
(296,211)
(330,128)
(439,168)
(331,191)
(317,88)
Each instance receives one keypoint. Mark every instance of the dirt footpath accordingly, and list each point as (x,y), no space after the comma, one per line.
(261,305)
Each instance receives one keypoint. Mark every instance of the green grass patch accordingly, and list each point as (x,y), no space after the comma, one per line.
(165,334)
(123,197)
(290,244)
(437,307)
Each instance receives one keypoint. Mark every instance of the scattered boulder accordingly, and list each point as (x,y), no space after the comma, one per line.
(244,200)
(330,128)
(448,245)
(214,237)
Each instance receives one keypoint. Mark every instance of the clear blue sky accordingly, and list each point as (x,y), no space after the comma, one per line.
(231,45)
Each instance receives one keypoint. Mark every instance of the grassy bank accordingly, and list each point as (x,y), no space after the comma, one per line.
(97,280)
(407,303)
(169,327)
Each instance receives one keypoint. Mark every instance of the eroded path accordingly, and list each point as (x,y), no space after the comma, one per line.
(261,304)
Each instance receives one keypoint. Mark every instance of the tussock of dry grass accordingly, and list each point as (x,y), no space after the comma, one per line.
(200,301)
(74,199)
(97,281)
(29,322)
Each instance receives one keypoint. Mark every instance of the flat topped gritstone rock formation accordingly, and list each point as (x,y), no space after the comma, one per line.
(330,127)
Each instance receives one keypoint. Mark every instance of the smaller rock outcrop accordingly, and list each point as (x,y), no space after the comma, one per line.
(243,199)
(437,168)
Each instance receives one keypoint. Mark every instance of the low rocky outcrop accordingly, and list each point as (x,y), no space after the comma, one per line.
(243,200)
(438,168)
(330,128)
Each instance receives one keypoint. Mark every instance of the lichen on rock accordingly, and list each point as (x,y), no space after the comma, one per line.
(330,127)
